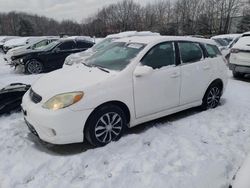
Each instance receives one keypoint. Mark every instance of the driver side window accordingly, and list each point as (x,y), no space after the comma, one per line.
(160,56)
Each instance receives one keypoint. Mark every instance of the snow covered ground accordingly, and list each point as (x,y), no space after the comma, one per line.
(191,149)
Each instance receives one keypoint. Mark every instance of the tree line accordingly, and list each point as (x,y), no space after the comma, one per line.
(179,17)
(23,24)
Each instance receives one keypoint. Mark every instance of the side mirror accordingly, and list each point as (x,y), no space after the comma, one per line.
(142,70)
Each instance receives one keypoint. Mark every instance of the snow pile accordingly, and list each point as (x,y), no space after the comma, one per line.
(190,149)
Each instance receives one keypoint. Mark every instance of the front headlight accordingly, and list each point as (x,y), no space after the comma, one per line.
(63,100)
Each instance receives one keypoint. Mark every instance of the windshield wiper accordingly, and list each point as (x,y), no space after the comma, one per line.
(87,65)
(100,67)
(97,66)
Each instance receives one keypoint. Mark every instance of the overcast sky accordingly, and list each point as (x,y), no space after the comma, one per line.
(58,9)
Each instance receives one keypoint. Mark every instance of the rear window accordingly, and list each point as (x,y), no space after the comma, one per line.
(212,50)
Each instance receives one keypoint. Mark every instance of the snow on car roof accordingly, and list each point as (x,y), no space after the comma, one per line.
(246,33)
(232,36)
(132,33)
(7,37)
(243,43)
(85,38)
(154,39)
(20,41)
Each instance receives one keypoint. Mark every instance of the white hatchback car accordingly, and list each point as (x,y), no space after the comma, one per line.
(135,80)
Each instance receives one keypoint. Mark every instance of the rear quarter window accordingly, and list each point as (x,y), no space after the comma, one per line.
(212,50)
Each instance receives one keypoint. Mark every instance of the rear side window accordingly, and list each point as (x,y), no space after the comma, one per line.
(160,56)
(190,52)
(69,45)
(212,50)
(82,44)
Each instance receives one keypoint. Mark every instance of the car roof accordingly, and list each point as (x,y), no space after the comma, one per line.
(233,35)
(75,39)
(155,39)
(246,34)
(132,33)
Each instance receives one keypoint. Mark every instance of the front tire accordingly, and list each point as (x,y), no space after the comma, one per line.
(33,66)
(105,125)
(212,96)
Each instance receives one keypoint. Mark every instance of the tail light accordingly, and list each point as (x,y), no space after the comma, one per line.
(234,50)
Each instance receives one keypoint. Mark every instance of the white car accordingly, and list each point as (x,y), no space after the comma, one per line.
(4,39)
(135,80)
(17,42)
(80,57)
(241,179)
(239,61)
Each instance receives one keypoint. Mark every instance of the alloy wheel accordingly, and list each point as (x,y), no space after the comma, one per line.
(34,67)
(213,97)
(108,127)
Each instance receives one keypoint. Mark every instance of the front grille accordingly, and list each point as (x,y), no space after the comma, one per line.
(35,97)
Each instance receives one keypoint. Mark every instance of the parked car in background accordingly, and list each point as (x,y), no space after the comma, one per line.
(228,37)
(18,51)
(239,61)
(134,80)
(79,57)
(50,57)
(241,178)
(225,43)
(17,42)
(4,39)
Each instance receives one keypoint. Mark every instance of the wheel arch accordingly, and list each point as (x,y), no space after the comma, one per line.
(120,104)
(216,81)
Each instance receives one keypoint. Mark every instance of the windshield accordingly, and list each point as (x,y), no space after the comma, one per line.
(49,46)
(102,44)
(116,57)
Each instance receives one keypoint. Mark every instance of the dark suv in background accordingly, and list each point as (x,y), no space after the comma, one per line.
(50,57)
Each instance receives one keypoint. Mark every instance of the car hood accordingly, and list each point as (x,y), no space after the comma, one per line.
(75,78)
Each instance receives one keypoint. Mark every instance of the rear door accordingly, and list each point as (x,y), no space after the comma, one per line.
(195,72)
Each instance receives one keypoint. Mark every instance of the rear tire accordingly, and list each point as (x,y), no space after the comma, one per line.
(106,124)
(212,97)
(33,66)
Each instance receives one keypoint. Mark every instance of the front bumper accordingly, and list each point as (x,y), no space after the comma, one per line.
(63,126)
(239,68)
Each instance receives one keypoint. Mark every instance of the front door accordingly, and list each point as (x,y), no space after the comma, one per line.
(160,89)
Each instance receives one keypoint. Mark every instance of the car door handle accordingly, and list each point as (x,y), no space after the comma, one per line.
(175,75)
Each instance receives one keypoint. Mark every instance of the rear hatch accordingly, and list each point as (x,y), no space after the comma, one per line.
(241,51)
